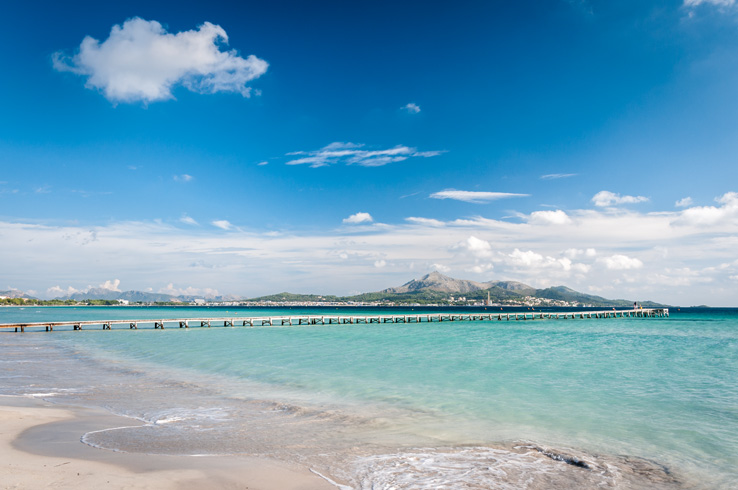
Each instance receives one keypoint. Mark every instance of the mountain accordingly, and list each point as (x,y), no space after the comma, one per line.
(110,295)
(15,293)
(435,281)
(518,287)
(435,286)
(139,296)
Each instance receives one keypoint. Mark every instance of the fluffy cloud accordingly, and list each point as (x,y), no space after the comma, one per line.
(358,218)
(411,108)
(380,264)
(441,268)
(621,262)
(575,252)
(187,220)
(476,247)
(111,285)
(626,248)
(141,62)
(478,197)
(222,224)
(531,259)
(712,215)
(353,154)
(557,217)
(607,198)
(189,291)
(683,203)
(56,291)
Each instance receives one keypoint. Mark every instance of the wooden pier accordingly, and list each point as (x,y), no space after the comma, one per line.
(261,321)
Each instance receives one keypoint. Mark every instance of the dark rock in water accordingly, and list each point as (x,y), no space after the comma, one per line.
(609,470)
(566,458)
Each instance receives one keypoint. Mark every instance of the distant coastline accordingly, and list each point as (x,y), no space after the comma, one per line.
(434,289)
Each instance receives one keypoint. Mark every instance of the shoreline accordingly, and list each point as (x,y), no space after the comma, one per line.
(253,428)
(40,446)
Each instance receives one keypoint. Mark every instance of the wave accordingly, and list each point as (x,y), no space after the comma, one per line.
(520,466)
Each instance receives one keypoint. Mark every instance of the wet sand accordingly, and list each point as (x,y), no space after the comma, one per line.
(40,448)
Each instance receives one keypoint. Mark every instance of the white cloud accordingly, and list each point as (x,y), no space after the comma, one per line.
(183,178)
(352,154)
(683,203)
(538,262)
(189,291)
(712,215)
(556,176)
(110,285)
(441,268)
(56,291)
(261,164)
(475,246)
(187,220)
(573,253)
(719,3)
(526,259)
(477,197)
(141,62)
(380,264)
(411,108)
(481,268)
(154,254)
(581,268)
(607,198)
(557,217)
(358,218)
(621,262)
(425,221)
(222,224)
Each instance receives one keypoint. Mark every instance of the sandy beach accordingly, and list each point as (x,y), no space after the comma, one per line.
(40,448)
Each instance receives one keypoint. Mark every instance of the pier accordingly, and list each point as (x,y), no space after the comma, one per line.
(261,321)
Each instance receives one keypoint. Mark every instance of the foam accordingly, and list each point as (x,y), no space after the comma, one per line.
(522,466)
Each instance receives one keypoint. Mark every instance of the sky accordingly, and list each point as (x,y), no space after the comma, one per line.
(249,148)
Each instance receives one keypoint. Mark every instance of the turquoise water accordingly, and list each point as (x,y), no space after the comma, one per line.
(661,389)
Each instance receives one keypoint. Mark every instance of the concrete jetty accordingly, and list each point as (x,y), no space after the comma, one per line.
(260,321)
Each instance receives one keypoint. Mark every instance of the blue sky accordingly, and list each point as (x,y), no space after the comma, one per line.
(343,147)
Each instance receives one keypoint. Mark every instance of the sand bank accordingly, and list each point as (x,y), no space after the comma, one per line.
(40,448)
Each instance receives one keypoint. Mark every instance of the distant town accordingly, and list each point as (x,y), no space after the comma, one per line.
(451,301)
(433,289)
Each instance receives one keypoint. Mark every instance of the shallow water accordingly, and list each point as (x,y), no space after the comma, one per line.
(639,402)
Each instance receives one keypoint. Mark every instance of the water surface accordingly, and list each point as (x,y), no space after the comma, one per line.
(638,401)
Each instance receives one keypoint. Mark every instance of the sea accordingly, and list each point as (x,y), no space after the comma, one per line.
(577,403)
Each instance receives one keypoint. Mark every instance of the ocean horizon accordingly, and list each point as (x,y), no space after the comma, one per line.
(613,402)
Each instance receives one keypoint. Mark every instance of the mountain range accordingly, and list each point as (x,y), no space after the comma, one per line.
(15,293)
(436,287)
(435,281)
(431,288)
